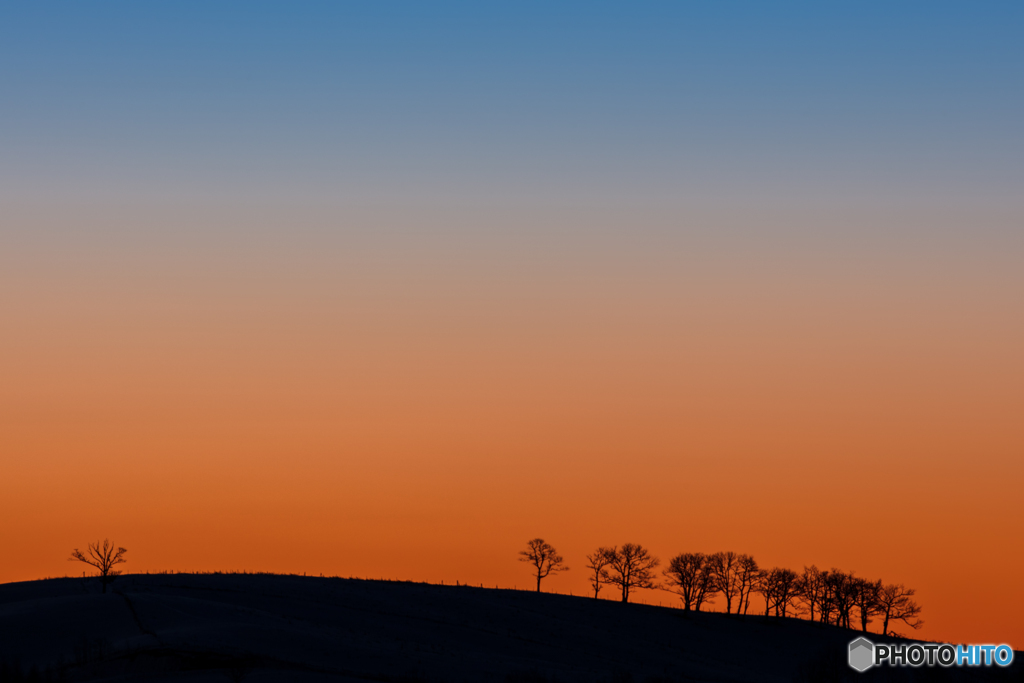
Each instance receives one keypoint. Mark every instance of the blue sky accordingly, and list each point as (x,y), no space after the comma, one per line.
(524,102)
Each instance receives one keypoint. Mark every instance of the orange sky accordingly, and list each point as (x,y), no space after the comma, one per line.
(387,290)
(420,415)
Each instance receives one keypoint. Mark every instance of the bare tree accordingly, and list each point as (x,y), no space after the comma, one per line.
(596,562)
(691,576)
(766,587)
(747,572)
(631,567)
(544,558)
(104,557)
(789,589)
(725,570)
(827,602)
(895,604)
(865,597)
(840,589)
(780,588)
(811,589)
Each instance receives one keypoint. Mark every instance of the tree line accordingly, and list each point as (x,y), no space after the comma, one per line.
(830,596)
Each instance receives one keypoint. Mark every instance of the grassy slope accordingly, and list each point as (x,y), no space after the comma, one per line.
(262,628)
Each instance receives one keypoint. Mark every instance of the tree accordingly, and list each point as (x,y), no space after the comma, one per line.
(747,572)
(544,558)
(865,598)
(691,576)
(104,558)
(630,568)
(787,589)
(840,591)
(828,585)
(725,570)
(811,590)
(596,562)
(779,587)
(895,604)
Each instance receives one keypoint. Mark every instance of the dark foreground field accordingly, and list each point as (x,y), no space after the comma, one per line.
(256,628)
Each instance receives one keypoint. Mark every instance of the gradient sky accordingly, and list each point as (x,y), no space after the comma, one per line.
(389,289)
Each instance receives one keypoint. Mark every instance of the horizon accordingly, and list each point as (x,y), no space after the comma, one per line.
(392,290)
(708,606)
(275,626)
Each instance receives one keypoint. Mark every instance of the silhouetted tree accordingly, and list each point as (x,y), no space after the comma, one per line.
(747,572)
(596,562)
(104,557)
(840,591)
(810,590)
(826,597)
(725,571)
(631,567)
(895,604)
(865,597)
(788,582)
(691,576)
(780,588)
(766,587)
(544,558)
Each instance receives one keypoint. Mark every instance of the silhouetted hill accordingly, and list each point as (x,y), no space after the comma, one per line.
(254,627)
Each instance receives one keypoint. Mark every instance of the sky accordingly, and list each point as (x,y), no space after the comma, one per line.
(388,289)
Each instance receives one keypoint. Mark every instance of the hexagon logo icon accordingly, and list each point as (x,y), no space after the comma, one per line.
(862,654)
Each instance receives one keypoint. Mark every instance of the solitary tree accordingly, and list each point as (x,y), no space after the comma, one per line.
(895,604)
(544,558)
(104,558)
(631,567)
(691,576)
(596,562)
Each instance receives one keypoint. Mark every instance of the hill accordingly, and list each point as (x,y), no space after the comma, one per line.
(258,627)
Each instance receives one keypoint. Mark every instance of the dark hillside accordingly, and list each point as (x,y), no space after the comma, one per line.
(254,628)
